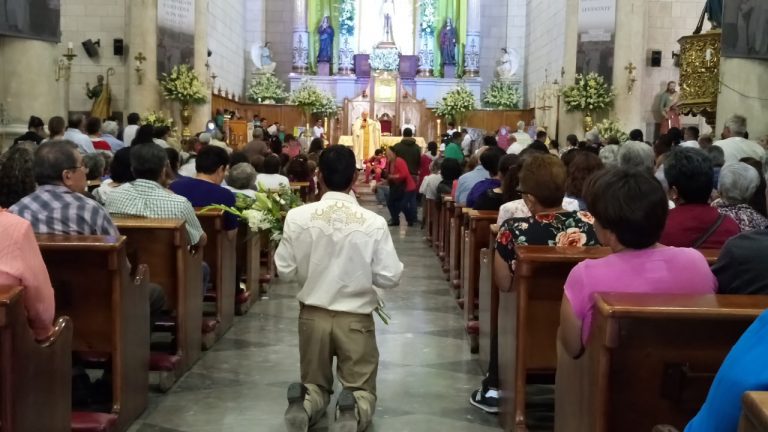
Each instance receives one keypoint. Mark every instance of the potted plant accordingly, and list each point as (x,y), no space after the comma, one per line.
(589,94)
(184,86)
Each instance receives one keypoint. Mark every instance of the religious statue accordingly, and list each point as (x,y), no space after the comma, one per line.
(714,10)
(668,102)
(267,65)
(366,137)
(388,12)
(506,67)
(448,43)
(326,33)
(101,94)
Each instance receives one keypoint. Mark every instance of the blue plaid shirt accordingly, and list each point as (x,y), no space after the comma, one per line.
(54,209)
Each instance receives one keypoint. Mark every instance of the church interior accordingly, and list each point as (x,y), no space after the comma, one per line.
(581,248)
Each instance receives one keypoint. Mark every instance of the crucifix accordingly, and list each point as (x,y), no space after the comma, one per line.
(630,68)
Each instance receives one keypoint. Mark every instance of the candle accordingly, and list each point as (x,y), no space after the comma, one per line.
(69,45)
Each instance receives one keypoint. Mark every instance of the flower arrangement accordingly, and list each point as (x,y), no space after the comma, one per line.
(307,96)
(428,18)
(456,103)
(264,213)
(347,18)
(387,59)
(611,128)
(267,87)
(590,93)
(157,118)
(184,86)
(502,95)
(327,108)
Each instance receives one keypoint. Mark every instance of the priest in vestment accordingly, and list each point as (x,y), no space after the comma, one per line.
(366,136)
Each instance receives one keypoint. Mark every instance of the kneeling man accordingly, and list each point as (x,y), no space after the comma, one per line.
(337,251)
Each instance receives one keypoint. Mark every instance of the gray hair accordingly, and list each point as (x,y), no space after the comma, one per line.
(95,165)
(241,176)
(635,154)
(738,182)
(737,124)
(205,137)
(435,166)
(52,158)
(217,135)
(258,133)
(716,155)
(520,125)
(592,136)
(110,127)
(610,155)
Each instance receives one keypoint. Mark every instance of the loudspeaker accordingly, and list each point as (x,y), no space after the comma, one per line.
(655,58)
(117,47)
(91,47)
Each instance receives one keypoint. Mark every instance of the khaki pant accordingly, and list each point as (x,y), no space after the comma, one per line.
(350,337)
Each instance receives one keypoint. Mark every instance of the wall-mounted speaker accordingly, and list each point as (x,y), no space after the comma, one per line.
(92,48)
(655,58)
(117,47)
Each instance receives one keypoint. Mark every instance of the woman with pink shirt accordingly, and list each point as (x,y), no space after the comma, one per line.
(22,265)
(630,209)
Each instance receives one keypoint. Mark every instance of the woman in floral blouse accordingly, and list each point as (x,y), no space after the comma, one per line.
(542,185)
(738,183)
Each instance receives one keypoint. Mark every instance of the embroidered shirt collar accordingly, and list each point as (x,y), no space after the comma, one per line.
(339,196)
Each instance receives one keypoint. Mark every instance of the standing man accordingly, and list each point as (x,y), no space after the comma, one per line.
(366,136)
(337,298)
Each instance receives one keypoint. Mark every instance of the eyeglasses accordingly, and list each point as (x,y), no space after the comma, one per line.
(522,192)
(81,166)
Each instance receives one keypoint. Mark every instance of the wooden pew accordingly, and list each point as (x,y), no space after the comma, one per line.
(110,312)
(445,234)
(437,226)
(650,360)
(488,302)
(303,189)
(754,418)
(531,311)
(459,221)
(248,268)
(36,377)
(428,219)
(220,254)
(164,246)
(477,238)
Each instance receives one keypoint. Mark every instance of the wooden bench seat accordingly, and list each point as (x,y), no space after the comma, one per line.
(163,245)
(36,377)
(650,360)
(446,213)
(529,316)
(249,268)
(220,254)
(754,418)
(109,310)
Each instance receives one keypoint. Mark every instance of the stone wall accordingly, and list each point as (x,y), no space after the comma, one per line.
(255,31)
(544,44)
(279,31)
(94,19)
(227,41)
(503,26)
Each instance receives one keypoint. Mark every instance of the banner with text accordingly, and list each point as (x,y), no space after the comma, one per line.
(597,37)
(175,34)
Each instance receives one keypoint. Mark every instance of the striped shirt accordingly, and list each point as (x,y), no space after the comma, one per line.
(148,199)
(54,209)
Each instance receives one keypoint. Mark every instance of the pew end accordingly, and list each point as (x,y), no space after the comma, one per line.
(650,360)
(220,253)
(754,417)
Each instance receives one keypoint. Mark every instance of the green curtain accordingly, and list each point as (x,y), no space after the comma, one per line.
(457,11)
(317,9)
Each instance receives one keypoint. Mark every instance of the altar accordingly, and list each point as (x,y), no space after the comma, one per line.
(386,141)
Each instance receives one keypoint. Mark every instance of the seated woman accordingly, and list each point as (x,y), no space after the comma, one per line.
(119,174)
(693,222)
(22,264)
(738,184)
(542,185)
(450,171)
(17,176)
(630,223)
(581,167)
(492,199)
(241,179)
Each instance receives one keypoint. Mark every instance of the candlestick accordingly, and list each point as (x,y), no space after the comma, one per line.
(70,46)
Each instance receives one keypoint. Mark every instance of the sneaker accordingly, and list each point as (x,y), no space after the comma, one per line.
(296,417)
(488,401)
(346,420)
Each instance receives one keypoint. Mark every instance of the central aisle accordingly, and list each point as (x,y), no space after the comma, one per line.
(426,373)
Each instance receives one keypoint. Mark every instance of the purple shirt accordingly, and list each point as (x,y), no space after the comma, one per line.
(480,188)
(203,193)
(666,270)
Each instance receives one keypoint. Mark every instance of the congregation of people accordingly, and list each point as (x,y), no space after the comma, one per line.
(653,204)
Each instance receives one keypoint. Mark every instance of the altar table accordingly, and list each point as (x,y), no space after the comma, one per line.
(386,141)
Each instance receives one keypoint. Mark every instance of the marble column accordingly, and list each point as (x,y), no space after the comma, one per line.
(141,31)
(426,54)
(201,113)
(631,35)
(28,84)
(472,49)
(300,45)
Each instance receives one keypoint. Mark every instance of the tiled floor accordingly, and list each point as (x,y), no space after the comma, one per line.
(425,378)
